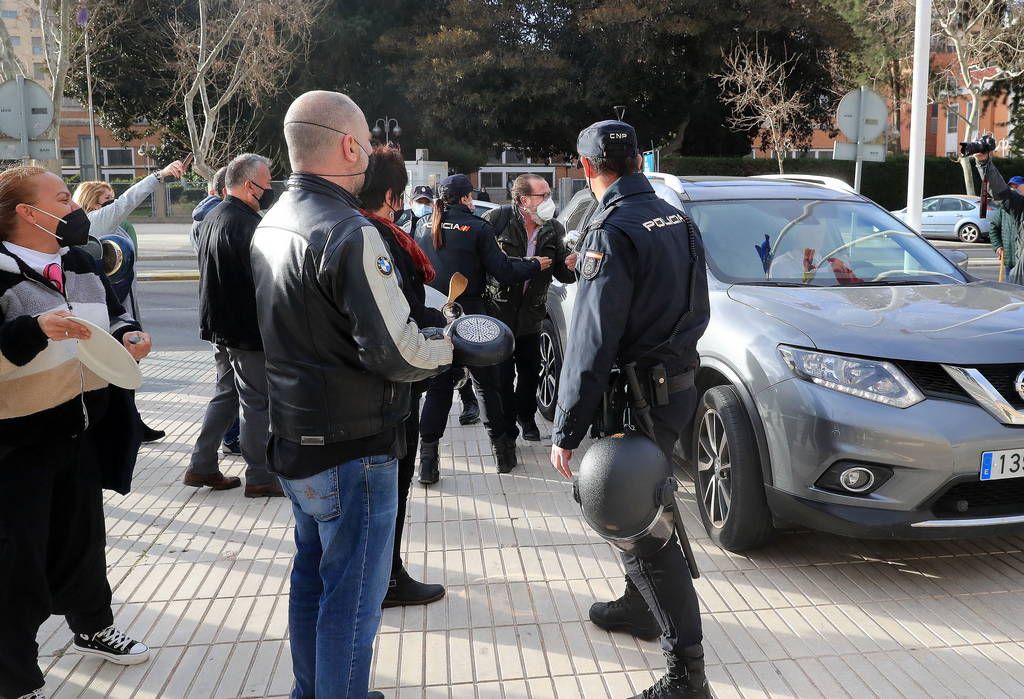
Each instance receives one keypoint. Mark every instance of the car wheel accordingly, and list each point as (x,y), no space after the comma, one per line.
(729,485)
(550,368)
(968,233)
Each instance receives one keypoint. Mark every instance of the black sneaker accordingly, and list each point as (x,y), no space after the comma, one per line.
(403,591)
(113,646)
(626,616)
(232,448)
(375,695)
(38,694)
(151,435)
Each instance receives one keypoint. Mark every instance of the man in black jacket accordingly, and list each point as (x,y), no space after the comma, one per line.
(341,350)
(227,309)
(527,228)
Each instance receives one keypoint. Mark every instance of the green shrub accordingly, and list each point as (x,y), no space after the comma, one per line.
(885,183)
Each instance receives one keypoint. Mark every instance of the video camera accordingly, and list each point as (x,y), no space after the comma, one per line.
(985,144)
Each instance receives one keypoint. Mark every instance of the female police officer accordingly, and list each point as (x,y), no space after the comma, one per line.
(465,243)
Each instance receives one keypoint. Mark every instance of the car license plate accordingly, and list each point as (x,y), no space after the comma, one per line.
(1002,464)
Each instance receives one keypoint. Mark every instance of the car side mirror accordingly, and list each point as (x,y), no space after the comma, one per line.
(957,257)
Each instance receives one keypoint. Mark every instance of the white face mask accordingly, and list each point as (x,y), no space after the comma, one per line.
(544,212)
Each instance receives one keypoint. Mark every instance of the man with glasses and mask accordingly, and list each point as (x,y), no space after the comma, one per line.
(527,228)
(227,312)
(341,350)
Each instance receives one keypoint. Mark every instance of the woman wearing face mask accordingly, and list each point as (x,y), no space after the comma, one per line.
(527,227)
(381,196)
(465,243)
(52,539)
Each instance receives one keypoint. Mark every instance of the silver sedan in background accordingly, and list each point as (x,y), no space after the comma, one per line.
(952,217)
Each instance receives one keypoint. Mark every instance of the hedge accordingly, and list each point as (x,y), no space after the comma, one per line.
(885,183)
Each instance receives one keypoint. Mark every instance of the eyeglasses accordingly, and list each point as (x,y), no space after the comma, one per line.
(546,195)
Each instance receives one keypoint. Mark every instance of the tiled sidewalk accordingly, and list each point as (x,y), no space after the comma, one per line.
(202,577)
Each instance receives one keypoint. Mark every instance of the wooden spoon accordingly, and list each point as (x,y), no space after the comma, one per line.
(456,286)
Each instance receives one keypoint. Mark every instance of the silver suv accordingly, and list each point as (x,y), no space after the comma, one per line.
(853,378)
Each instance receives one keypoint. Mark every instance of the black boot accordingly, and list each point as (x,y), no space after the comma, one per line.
(429,471)
(403,591)
(531,433)
(683,679)
(151,435)
(500,454)
(510,453)
(470,414)
(628,614)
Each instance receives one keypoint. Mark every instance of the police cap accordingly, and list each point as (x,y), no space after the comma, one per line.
(422,192)
(455,187)
(607,139)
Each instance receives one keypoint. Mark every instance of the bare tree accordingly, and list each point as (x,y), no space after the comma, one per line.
(986,39)
(234,50)
(755,86)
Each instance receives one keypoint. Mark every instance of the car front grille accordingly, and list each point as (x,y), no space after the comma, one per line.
(935,382)
(1002,376)
(981,499)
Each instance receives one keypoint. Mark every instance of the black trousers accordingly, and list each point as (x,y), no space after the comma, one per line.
(52,557)
(406,470)
(663,580)
(438,403)
(520,375)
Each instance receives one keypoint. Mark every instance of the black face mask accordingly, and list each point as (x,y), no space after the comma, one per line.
(267,197)
(73,229)
(108,202)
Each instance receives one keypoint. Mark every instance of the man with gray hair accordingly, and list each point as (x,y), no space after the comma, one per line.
(227,311)
(341,351)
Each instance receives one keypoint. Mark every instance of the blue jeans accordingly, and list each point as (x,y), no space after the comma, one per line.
(344,533)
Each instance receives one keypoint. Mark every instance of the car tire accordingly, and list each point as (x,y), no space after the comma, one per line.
(550,368)
(728,482)
(969,233)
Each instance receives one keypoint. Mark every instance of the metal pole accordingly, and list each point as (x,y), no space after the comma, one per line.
(858,168)
(918,111)
(92,124)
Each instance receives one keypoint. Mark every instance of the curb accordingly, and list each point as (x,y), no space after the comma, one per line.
(169,275)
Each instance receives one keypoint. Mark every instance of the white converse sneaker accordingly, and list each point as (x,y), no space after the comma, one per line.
(38,694)
(113,646)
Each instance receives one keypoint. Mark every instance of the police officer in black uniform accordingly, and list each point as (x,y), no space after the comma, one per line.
(460,241)
(642,299)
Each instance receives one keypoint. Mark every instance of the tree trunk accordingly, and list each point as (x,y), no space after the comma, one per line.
(676,144)
(897,104)
(971,135)
(779,156)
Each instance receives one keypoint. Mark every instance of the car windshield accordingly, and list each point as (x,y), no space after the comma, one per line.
(815,243)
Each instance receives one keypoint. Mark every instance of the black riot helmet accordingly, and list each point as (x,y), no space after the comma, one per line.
(625,488)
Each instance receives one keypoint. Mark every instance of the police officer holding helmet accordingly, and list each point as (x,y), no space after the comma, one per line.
(642,304)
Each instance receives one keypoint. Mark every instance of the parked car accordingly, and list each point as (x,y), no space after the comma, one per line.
(481,207)
(952,217)
(878,393)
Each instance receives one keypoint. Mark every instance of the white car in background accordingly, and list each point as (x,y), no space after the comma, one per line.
(953,217)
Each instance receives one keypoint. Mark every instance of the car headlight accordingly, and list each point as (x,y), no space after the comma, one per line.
(874,380)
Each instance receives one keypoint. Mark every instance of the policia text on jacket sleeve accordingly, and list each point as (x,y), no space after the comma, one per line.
(642,300)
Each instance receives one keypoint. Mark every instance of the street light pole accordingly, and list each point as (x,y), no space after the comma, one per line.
(919,112)
(390,128)
(83,21)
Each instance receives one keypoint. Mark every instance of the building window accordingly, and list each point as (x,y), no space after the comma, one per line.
(952,117)
(118,157)
(15,41)
(8,14)
(39,71)
(35,21)
(492,180)
(69,157)
(37,45)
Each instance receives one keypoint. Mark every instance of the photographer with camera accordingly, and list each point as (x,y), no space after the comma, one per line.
(1011,200)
